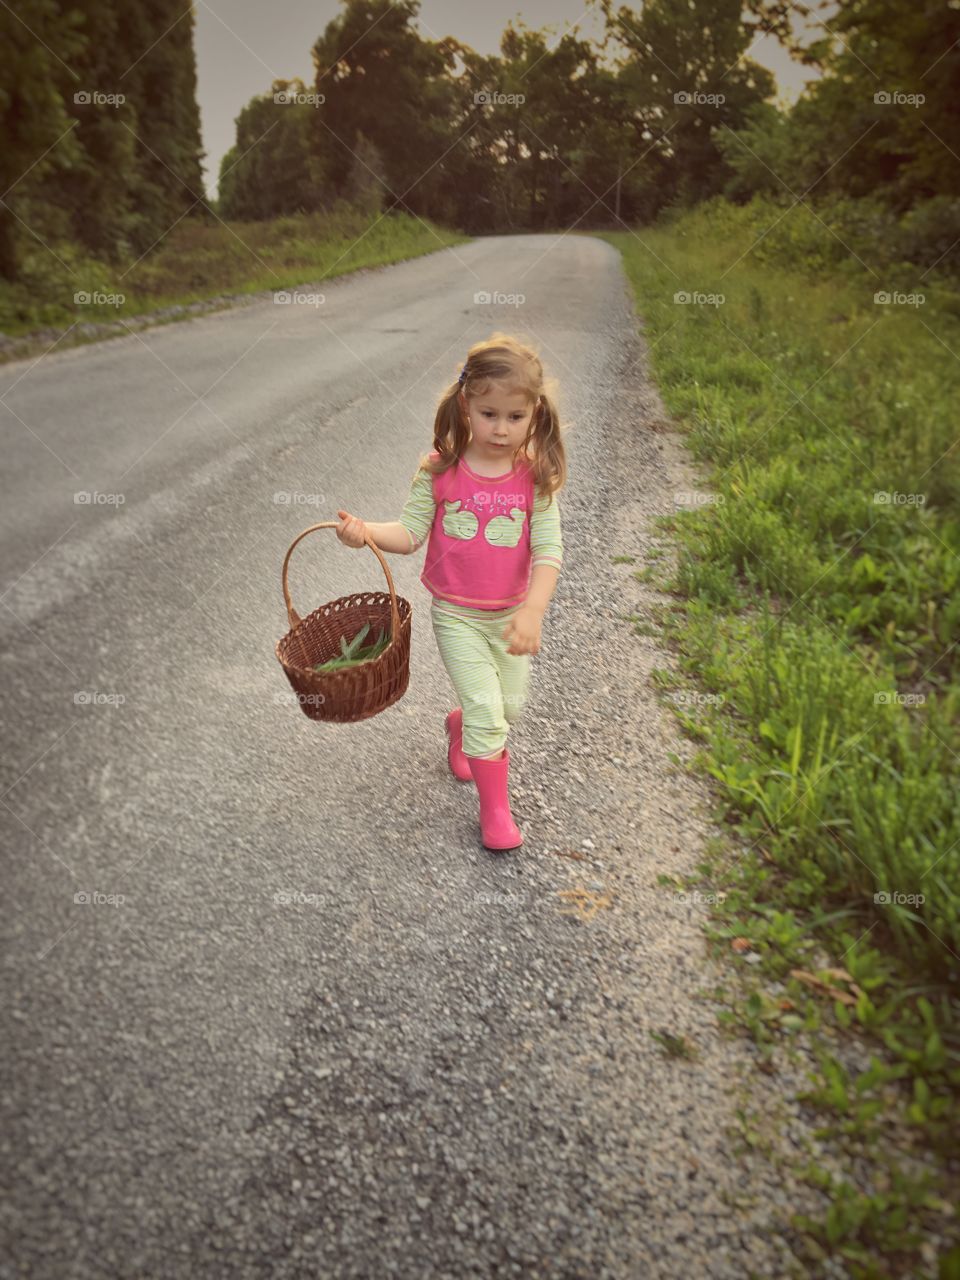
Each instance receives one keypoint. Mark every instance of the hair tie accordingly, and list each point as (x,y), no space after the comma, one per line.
(463,374)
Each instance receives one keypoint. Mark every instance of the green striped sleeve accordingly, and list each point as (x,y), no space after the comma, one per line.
(546,541)
(419,509)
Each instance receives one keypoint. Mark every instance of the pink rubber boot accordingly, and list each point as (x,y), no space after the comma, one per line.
(497,827)
(455,757)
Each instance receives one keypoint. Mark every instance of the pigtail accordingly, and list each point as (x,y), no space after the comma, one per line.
(548,453)
(451,434)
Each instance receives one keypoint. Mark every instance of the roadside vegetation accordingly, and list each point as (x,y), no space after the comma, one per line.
(816,620)
(205,260)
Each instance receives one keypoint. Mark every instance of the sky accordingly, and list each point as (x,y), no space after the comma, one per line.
(243,45)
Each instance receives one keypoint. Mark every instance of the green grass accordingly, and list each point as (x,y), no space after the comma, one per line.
(198,260)
(824,617)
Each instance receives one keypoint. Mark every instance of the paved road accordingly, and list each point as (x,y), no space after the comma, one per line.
(428,1068)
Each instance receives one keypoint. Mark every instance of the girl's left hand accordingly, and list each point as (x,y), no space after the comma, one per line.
(523,631)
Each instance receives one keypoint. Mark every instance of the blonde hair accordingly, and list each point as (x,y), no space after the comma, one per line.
(503,358)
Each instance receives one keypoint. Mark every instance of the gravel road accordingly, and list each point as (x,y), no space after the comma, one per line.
(430,1061)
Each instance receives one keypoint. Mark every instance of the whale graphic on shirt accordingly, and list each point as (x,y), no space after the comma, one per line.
(505,531)
(459,524)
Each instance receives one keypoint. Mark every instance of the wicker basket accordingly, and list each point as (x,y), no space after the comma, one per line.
(353,693)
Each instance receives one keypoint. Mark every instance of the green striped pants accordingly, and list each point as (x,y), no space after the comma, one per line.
(491,684)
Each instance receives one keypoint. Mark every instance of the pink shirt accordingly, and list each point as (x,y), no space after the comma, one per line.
(478,554)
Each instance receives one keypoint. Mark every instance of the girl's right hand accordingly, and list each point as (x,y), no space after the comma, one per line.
(351,530)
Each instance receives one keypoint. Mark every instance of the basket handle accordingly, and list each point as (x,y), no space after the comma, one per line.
(292,614)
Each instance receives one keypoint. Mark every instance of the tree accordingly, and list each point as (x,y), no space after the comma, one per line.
(382,80)
(37,129)
(274,169)
(762,156)
(898,147)
(687,78)
(101,126)
(547,127)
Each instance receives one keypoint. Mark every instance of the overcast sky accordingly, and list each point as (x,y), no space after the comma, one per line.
(243,45)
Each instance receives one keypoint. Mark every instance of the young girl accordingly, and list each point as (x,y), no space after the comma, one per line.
(485,496)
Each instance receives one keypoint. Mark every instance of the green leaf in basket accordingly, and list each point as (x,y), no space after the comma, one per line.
(357,640)
(352,655)
(334,664)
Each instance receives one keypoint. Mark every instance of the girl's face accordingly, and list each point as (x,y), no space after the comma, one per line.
(498,421)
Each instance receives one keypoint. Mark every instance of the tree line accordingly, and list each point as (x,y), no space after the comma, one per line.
(101,128)
(666,110)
